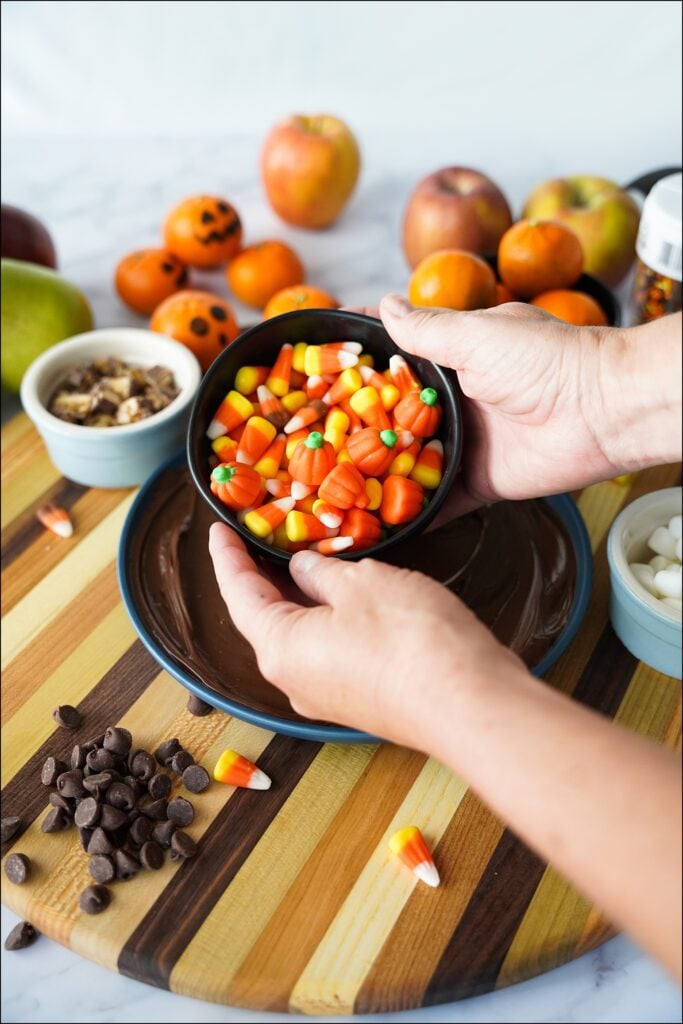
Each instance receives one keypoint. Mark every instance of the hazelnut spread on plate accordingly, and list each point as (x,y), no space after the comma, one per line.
(110,393)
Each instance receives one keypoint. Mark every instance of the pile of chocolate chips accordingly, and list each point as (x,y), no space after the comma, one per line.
(110,393)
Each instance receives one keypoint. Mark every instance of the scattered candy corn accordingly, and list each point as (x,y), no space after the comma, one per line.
(248,378)
(409,846)
(271,408)
(233,410)
(262,521)
(55,518)
(279,378)
(235,770)
(256,438)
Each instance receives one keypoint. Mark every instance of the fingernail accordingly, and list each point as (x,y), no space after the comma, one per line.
(306,560)
(396,305)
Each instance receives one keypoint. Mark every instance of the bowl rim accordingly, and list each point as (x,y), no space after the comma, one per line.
(451,399)
(619,566)
(109,337)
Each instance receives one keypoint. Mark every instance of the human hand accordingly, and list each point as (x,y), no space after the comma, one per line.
(386,650)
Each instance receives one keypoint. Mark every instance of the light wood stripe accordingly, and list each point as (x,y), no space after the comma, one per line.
(33,613)
(20,446)
(650,703)
(29,482)
(13,432)
(38,660)
(32,724)
(597,930)
(260,885)
(361,927)
(599,505)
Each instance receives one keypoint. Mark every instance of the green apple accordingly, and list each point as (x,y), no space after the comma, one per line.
(601,213)
(39,308)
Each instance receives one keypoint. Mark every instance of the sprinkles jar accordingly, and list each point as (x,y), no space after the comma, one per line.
(657,285)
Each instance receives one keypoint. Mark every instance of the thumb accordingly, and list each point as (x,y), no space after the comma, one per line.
(319,576)
(441,335)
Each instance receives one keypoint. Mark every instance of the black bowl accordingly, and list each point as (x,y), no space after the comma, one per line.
(259,347)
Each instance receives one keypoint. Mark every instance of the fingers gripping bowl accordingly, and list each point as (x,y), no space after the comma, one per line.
(260,346)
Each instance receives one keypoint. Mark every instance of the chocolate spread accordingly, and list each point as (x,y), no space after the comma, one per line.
(512,563)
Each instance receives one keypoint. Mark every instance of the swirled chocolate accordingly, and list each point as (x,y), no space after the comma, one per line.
(512,563)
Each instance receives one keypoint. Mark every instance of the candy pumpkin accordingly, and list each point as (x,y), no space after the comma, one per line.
(146,277)
(419,412)
(236,485)
(402,500)
(372,450)
(343,486)
(312,460)
(363,527)
(203,231)
(202,321)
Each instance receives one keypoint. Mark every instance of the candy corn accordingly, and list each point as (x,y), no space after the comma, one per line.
(373,490)
(409,846)
(368,405)
(53,517)
(248,378)
(389,394)
(233,410)
(327,514)
(225,448)
(293,440)
(262,521)
(404,463)
(332,545)
(347,346)
(235,770)
(303,526)
(268,466)
(300,491)
(316,387)
(427,470)
(257,437)
(327,359)
(298,356)
(403,376)
(294,401)
(280,486)
(346,384)
(271,408)
(279,378)
(306,416)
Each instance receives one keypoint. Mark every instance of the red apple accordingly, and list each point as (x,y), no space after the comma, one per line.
(454,208)
(310,167)
(25,238)
(601,213)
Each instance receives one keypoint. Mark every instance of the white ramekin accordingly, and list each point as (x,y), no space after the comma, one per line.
(111,456)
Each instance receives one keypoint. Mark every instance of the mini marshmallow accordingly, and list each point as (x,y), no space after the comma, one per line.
(669,583)
(659,562)
(673,602)
(645,576)
(662,542)
(676,527)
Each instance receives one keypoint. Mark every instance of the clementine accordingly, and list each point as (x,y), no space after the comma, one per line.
(259,271)
(452,278)
(145,278)
(503,294)
(537,256)
(203,231)
(202,321)
(300,296)
(573,307)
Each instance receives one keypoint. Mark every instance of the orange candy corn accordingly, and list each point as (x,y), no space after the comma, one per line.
(312,459)
(293,440)
(304,526)
(271,408)
(233,410)
(346,384)
(306,504)
(372,450)
(322,359)
(428,467)
(257,437)
(237,486)
(368,405)
(419,412)
(403,463)
(298,356)
(282,541)
(342,486)
(300,491)
(316,387)
(306,416)
(327,514)
(347,346)
(409,846)
(403,376)
(388,393)
(53,517)
(248,378)
(362,526)
(402,500)
(225,448)
(235,770)
(280,486)
(280,375)
(294,401)
(373,491)
(268,466)
(262,521)
(332,545)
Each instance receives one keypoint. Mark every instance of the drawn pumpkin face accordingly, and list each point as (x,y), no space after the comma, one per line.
(200,320)
(203,231)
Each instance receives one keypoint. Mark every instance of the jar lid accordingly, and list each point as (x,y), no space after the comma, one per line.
(659,235)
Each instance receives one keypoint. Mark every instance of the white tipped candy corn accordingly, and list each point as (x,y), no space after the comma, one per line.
(662,542)
(409,846)
(54,518)
(236,770)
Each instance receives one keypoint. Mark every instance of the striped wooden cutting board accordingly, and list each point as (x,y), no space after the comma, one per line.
(293,901)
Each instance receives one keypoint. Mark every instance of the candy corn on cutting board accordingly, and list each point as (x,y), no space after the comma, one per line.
(293,901)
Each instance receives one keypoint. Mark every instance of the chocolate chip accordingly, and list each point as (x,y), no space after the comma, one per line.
(218,313)
(78,756)
(183,845)
(196,778)
(140,831)
(198,707)
(98,784)
(87,813)
(199,326)
(17,868)
(154,809)
(111,818)
(85,835)
(67,716)
(181,761)
(71,783)
(118,741)
(51,771)
(102,869)
(142,765)
(151,856)
(93,744)
(126,864)
(162,833)
(119,836)
(55,821)
(99,760)
(21,936)
(159,786)
(57,800)
(166,750)
(120,795)
(180,811)
(136,785)
(100,843)
(94,899)
(9,828)
(206,217)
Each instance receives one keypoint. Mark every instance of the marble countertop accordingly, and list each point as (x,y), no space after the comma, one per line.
(102,198)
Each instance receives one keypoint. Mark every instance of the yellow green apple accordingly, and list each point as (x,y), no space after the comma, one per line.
(600,212)
(39,308)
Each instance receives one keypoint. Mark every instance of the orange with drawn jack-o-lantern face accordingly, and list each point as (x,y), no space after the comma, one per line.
(200,320)
(203,231)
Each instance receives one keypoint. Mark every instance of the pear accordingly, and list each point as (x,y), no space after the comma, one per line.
(39,308)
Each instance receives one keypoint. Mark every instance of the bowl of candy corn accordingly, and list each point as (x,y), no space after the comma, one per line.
(313,430)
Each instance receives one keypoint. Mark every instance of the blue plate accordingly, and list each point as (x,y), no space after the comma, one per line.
(562,505)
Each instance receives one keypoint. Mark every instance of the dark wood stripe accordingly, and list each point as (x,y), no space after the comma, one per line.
(153,949)
(117,690)
(26,529)
(477,949)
